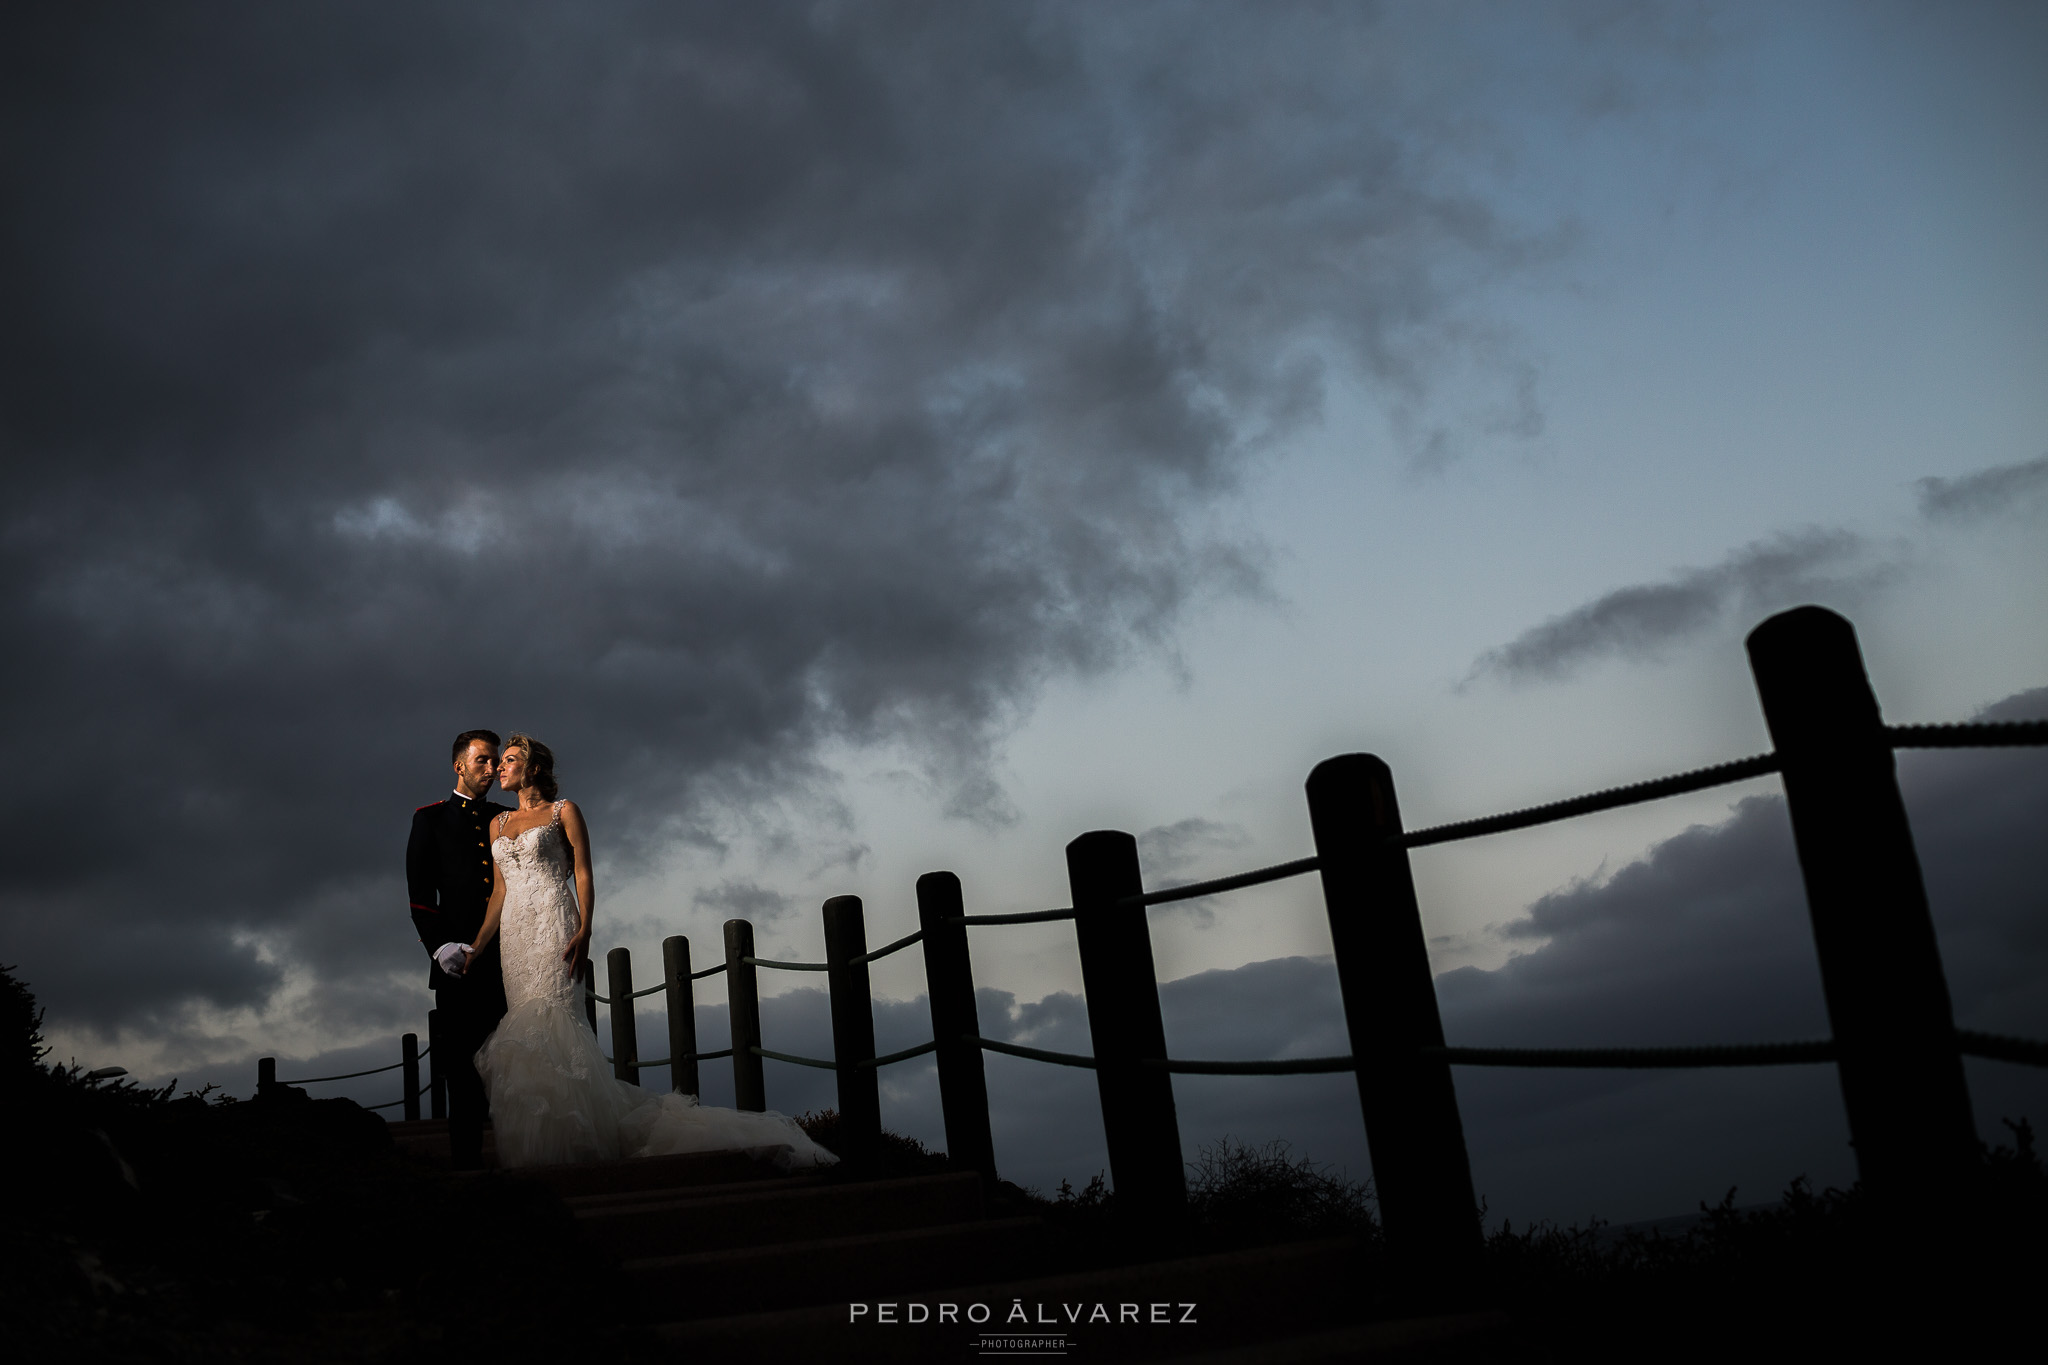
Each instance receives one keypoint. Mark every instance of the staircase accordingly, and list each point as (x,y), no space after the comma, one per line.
(729,1258)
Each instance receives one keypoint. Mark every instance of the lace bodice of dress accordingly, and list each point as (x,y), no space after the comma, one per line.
(539,916)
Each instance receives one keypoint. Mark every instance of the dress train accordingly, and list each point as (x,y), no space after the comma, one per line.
(554,1100)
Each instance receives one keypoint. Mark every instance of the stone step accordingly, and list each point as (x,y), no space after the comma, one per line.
(1240,1298)
(427,1139)
(1460,1336)
(830,1270)
(759,1218)
(628,1198)
(653,1172)
(405,1128)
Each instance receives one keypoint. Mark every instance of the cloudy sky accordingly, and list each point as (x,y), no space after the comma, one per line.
(867,438)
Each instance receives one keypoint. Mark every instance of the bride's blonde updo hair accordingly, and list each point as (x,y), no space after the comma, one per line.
(540,764)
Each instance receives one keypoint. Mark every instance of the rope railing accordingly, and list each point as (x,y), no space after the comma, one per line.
(740,957)
(1285,1066)
(818,1062)
(1192,890)
(865,1063)
(788,966)
(1982,734)
(688,1057)
(351,1075)
(1034,1054)
(1638,1058)
(655,989)
(897,946)
(1028,917)
(1699,779)
(392,1104)
(1990,734)
(2001,1047)
(888,1060)
(2025,1051)
(891,1058)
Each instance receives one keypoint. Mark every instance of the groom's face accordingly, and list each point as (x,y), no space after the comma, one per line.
(473,770)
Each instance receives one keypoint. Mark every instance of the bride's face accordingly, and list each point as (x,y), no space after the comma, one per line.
(512,770)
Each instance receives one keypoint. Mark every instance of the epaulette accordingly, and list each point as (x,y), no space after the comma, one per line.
(430,805)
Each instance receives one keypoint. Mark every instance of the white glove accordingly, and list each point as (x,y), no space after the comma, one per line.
(453,958)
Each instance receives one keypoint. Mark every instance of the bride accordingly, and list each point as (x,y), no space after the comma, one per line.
(553,1097)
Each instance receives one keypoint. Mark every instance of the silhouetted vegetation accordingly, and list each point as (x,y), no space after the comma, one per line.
(149,1228)
(1239,1196)
(21,1029)
(896,1156)
(1815,1271)
(1819,1271)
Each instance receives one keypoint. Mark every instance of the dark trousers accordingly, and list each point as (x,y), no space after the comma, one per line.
(470,1009)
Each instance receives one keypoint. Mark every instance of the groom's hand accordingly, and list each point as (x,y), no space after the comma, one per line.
(452,958)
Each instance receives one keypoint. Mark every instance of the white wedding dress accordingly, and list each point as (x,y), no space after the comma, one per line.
(554,1099)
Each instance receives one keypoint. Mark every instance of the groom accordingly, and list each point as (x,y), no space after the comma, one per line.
(448,874)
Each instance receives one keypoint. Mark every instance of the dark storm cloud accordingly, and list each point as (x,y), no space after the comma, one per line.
(2007,488)
(1166,850)
(742,900)
(1641,621)
(1167,853)
(688,385)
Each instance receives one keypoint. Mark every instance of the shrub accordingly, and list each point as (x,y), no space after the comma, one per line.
(897,1155)
(1240,1195)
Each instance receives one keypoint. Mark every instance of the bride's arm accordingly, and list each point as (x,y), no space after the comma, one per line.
(497,903)
(578,834)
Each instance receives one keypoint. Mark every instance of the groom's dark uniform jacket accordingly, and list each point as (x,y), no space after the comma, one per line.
(448,875)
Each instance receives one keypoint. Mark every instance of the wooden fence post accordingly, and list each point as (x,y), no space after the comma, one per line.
(743,1003)
(437,1072)
(618,965)
(853,1029)
(1880,969)
(266,1076)
(587,974)
(409,1072)
(682,1014)
(949,987)
(1412,1128)
(1123,1016)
